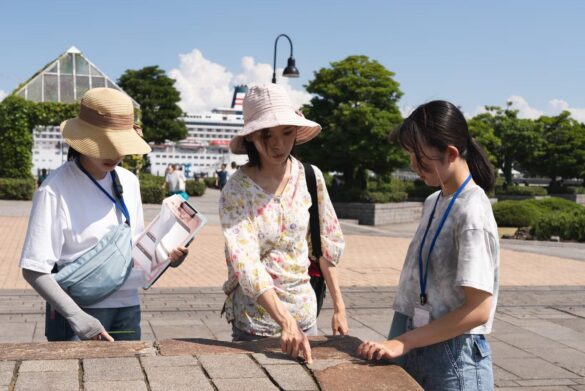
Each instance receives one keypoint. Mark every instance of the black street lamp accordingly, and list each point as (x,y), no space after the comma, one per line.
(291,69)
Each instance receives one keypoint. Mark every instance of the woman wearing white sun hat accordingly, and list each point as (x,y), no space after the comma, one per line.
(264,212)
(76,211)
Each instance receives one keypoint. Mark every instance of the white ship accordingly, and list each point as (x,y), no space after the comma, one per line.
(205,148)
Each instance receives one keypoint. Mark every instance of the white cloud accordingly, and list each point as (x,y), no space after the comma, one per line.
(559,105)
(524,109)
(204,84)
(2,95)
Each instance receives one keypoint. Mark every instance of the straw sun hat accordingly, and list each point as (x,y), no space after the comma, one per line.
(267,106)
(104,128)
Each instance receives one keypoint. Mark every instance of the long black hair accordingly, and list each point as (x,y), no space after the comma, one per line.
(440,124)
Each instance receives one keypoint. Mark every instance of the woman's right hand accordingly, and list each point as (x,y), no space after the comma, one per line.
(86,326)
(103,336)
(294,342)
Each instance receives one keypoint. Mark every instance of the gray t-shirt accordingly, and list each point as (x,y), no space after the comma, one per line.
(467,253)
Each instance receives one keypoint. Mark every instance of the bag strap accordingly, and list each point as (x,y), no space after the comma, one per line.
(118,190)
(313,211)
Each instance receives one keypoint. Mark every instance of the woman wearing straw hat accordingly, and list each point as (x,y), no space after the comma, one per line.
(77,210)
(264,212)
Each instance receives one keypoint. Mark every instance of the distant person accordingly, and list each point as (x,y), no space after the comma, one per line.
(448,290)
(179,180)
(42,176)
(171,179)
(84,217)
(221,177)
(231,170)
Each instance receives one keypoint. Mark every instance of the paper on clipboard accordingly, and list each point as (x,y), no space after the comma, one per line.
(176,225)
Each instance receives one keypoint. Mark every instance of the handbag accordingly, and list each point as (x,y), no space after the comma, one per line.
(317,280)
(102,270)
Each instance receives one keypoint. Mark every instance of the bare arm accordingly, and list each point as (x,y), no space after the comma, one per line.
(339,320)
(474,312)
(292,340)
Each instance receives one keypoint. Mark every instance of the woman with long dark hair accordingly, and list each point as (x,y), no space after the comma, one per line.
(448,290)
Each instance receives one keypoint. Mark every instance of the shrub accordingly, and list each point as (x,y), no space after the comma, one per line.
(195,188)
(554,204)
(152,190)
(567,225)
(516,213)
(17,188)
(152,179)
(529,191)
(209,182)
(420,191)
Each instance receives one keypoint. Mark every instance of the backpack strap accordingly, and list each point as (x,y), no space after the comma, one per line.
(313,211)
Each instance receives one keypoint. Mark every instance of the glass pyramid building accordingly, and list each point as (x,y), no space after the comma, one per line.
(65,80)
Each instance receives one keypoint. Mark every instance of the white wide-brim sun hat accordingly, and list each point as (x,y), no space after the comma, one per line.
(104,128)
(268,106)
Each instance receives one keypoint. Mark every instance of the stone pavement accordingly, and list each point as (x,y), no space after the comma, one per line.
(539,332)
(194,364)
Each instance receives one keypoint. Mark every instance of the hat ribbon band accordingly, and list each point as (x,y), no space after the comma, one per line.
(108,121)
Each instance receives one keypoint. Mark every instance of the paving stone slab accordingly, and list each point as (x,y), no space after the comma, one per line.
(546,382)
(130,385)
(291,377)
(567,358)
(230,366)
(263,384)
(47,381)
(275,358)
(69,350)
(534,368)
(168,361)
(371,378)
(49,366)
(505,350)
(112,369)
(6,372)
(179,378)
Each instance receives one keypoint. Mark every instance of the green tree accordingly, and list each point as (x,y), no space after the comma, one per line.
(355,103)
(563,152)
(18,119)
(158,98)
(511,142)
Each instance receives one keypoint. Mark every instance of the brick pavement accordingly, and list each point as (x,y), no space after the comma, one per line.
(539,332)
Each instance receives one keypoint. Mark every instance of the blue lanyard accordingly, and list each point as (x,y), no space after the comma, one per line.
(423,275)
(120,205)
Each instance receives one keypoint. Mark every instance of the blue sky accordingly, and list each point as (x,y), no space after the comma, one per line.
(472,53)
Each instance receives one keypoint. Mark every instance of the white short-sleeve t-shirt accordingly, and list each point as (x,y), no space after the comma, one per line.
(466,254)
(70,215)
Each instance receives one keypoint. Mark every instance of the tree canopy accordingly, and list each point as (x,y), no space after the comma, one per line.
(158,98)
(356,104)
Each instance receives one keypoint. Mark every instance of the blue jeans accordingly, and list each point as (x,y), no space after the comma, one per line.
(125,320)
(461,363)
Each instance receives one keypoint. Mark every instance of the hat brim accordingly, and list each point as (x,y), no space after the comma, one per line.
(307,129)
(101,143)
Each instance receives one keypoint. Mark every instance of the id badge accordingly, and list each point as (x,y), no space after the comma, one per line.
(422,316)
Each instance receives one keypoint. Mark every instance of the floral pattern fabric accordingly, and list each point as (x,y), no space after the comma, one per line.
(267,247)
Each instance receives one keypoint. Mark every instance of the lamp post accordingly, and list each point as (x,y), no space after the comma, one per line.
(291,69)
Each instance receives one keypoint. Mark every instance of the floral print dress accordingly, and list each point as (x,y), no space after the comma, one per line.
(267,247)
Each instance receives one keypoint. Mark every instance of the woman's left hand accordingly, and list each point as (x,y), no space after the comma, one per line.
(376,351)
(178,255)
(339,323)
